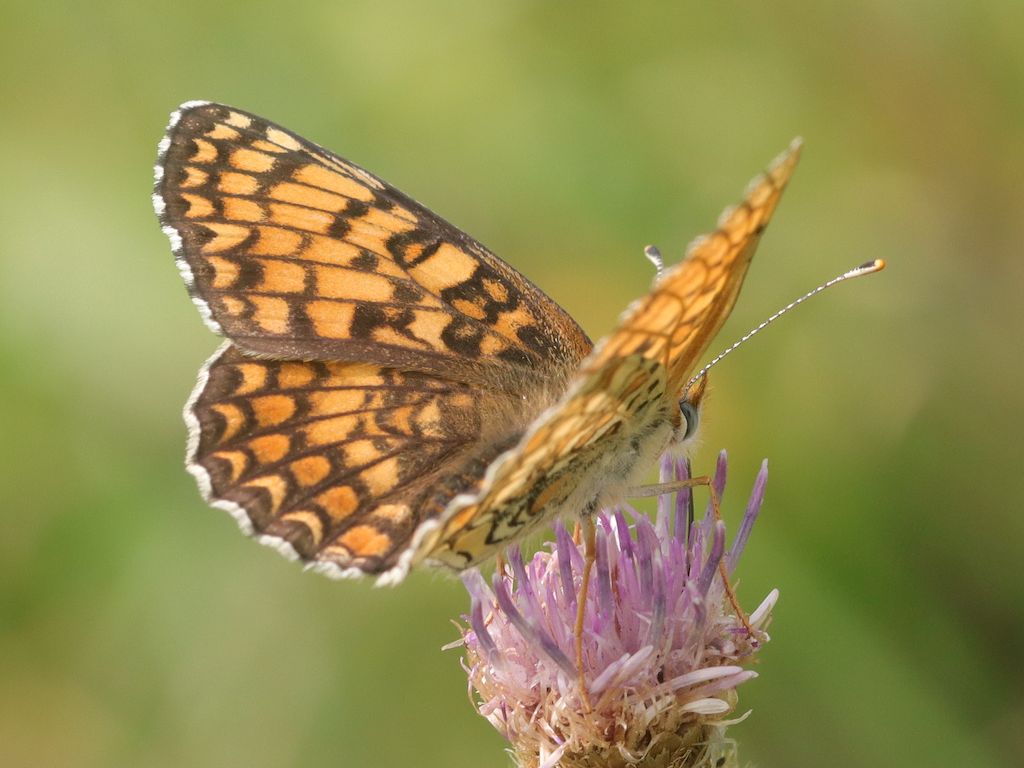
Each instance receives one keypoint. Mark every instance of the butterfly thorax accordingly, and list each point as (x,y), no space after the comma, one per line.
(578,456)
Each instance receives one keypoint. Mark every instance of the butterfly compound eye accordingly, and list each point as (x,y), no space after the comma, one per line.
(689,406)
(691,414)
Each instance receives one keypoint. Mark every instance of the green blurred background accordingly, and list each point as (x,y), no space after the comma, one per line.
(138,628)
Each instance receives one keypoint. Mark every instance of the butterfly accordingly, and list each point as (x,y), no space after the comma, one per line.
(392,393)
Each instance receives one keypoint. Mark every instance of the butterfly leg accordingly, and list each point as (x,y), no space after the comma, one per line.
(589,532)
(660,489)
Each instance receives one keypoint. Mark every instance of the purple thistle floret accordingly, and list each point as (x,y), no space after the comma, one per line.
(663,648)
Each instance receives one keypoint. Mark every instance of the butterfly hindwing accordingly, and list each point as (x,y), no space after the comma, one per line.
(295,253)
(336,463)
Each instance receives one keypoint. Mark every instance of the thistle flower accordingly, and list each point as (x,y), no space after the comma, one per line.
(662,648)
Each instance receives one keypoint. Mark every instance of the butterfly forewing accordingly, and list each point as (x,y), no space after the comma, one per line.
(295,253)
(677,320)
(621,408)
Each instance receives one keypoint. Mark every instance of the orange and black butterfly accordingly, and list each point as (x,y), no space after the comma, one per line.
(391,392)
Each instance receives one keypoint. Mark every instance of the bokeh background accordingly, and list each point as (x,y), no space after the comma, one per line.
(138,628)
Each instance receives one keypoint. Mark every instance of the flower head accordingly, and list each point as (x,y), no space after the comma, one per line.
(662,649)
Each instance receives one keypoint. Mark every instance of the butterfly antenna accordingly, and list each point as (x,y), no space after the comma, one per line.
(864,269)
(654,256)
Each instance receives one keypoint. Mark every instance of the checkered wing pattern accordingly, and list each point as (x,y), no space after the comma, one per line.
(338,422)
(294,253)
(620,411)
(336,463)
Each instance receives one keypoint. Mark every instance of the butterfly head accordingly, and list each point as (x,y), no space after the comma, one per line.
(689,413)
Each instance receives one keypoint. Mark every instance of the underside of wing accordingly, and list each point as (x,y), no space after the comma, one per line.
(620,410)
(567,461)
(689,302)
(343,465)
(295,253)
